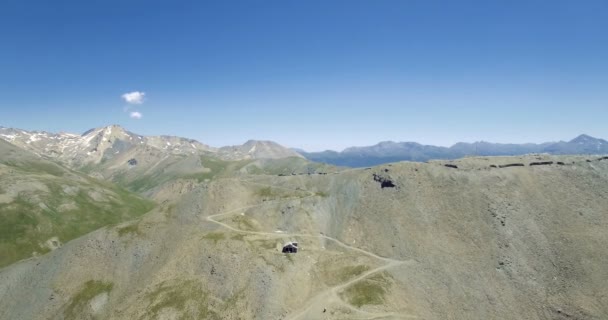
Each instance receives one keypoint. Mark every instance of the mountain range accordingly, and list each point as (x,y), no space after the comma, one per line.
(114,225)
(140,162)
(389,151)
(104,144)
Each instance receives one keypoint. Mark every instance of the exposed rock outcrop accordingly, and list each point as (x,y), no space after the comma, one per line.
(385,182)
(541,163)
(511,165)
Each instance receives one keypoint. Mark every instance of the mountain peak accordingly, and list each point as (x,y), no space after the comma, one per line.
(584,138)
(109,129)
(258,149)
(253,142)
(388,143)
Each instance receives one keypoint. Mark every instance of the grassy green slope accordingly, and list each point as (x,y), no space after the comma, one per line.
(287,166)
(43,205)
(199,168)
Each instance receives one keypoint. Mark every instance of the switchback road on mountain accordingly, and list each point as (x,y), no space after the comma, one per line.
(331,294)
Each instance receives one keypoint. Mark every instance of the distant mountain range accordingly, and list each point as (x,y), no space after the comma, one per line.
(139,162)
(104,143)
(389,151)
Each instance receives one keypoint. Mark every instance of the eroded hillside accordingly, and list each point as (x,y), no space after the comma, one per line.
(480,238)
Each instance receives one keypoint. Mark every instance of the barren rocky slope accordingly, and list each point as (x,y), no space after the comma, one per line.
(481,238)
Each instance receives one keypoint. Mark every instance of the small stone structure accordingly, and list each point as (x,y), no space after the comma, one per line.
(290,247)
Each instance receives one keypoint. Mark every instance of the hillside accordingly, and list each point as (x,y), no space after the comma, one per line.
(481,238)
(43,205)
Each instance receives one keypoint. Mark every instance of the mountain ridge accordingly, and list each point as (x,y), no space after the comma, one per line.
(145,163)
(81,147)
(390,151)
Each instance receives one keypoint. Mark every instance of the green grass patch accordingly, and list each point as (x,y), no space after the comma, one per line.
(79,303)
(132,229)
(264,244)
(217,168)
(26,225)
(368,291)
(215,236)
(238,237)
(40,167)
(182,296)
(45,167)
(265,192)
(290,257)
(214,168)
(322,194)
(286,166)
(144,182)
(243,223)
(275,193)
(341,275)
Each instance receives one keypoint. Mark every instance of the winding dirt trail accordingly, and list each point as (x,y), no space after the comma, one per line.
(331,294)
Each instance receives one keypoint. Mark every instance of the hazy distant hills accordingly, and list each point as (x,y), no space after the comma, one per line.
(389,151)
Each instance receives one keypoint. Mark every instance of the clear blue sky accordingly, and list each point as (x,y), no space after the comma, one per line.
(310,74)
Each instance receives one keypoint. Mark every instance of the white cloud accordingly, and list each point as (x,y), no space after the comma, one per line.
(136,115)
(135,97)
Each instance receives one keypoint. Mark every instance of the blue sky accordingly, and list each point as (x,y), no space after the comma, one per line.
(310,74)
